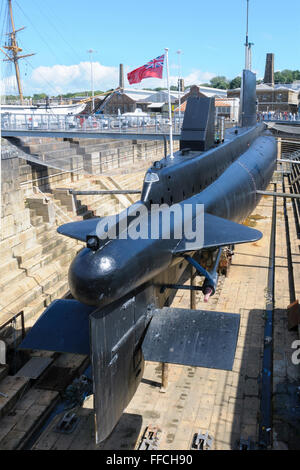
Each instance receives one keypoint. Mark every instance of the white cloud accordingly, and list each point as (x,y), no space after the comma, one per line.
(198,77)
(193,78)
(70,78)
(61,79)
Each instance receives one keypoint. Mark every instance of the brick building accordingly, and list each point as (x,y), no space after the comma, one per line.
(276,98)
(124,100)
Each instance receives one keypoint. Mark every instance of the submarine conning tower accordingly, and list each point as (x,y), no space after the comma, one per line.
(198,129)
(199,162)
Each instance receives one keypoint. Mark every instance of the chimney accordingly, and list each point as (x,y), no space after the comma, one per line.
(180,84)
(121,76)
(269,70)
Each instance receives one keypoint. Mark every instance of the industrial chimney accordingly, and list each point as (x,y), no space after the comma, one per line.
(180,84)
(121,77)
(269,71)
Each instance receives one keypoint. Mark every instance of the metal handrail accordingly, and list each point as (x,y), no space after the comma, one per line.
(89,123)
(13,320)
(47,198)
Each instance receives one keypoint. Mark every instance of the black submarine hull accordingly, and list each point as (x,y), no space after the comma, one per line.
(117,282)
(101,277)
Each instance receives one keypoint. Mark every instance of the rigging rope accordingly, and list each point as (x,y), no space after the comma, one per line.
(76,56)
(39,34)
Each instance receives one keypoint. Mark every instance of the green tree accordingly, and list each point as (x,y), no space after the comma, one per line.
(296,74)
(219,82)
(285,76)
(39,96)
(235,83)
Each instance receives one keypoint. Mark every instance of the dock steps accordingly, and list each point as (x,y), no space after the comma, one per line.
(26,403)
(11,388)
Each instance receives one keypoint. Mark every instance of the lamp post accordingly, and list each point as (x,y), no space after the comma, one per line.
(90,51)
(179,86)
(169,103)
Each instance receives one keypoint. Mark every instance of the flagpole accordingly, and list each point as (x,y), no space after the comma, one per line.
(169,102)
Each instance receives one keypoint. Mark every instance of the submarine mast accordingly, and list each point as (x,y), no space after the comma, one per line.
(248,55)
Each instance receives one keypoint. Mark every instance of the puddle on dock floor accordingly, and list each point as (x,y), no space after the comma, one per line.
(252,220)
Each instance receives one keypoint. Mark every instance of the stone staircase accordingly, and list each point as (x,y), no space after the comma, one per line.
(57,153)
(34,270)
(99,205)
(36,274)
(34,263)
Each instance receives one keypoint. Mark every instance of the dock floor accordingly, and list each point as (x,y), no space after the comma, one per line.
(225,403)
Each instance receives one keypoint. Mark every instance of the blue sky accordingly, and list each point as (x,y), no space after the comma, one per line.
(210,35)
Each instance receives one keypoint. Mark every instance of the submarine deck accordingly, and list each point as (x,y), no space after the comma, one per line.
(225,403)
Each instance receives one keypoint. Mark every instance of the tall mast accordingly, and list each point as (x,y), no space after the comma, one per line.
(14,50)
(248,44)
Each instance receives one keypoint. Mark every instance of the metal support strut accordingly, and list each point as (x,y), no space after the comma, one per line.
(211,278)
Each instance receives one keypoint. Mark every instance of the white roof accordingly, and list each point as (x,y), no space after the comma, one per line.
(208,91)
(156,105)
(286,87)
(264,86)
(137,95)
(151,95)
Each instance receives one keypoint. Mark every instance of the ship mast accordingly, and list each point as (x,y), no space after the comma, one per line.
(14,50)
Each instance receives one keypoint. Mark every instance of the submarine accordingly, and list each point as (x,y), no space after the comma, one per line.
(125,278)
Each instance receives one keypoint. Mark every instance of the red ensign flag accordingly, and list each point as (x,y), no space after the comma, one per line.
(154,68)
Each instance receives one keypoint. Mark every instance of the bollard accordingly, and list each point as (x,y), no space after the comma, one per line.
(193,292)
(164,377)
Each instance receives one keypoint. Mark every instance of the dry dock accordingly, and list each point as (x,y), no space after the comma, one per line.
(227,404)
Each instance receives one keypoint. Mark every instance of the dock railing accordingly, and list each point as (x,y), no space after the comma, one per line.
(97,123)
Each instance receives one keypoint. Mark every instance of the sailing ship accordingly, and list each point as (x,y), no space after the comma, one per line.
(12,51)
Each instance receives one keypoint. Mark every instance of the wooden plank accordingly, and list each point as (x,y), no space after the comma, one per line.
(34,367)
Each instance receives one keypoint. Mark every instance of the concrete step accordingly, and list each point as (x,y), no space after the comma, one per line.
(36,220)
(83,141)
(46,235)
(36,140)
(42,228)
(12,277)
(13,387)
(33,264)
(58,154)
(52,244)
(105,149)
(6,246)
(9,266)
(30,254)
(57,291)
(20,295)
(47,146)
(51,274)
(3,371)
(32,310)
